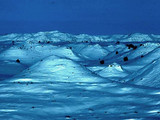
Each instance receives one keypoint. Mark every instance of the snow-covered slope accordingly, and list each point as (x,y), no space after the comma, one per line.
(53,75)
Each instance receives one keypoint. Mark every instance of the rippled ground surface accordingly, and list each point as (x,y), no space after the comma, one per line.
(58,76)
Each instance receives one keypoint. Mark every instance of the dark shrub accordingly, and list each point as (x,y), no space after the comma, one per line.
(131,46)
(18,61)
(117,42)
(125,58)
(102,62)
(12,42)
(141,44)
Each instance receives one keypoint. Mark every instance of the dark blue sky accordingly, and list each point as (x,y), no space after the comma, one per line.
(80,16)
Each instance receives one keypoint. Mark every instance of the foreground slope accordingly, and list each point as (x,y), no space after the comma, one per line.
(53,75)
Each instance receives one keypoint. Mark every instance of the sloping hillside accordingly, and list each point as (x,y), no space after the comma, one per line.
(53,75)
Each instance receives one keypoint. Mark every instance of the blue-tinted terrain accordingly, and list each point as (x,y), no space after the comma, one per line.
(52,69)
(80,16)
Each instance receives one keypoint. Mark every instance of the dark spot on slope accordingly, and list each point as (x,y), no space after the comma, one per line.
(105,112)
(116,52)
(67,117)
(135,47)
(13,43)
(142,56)
(69,48)
(90,109)
(102,62)
(141,45)
(135,112)
(48,42)
(39,41)
(110,65)
(117,42)
(18,61)
(31,82)
(33,107)
(131,46)
(125,58)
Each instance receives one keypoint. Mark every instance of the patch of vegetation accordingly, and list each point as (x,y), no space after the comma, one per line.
(102,62)
(131,46)
(117,42)
(125,58)
(18,61)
